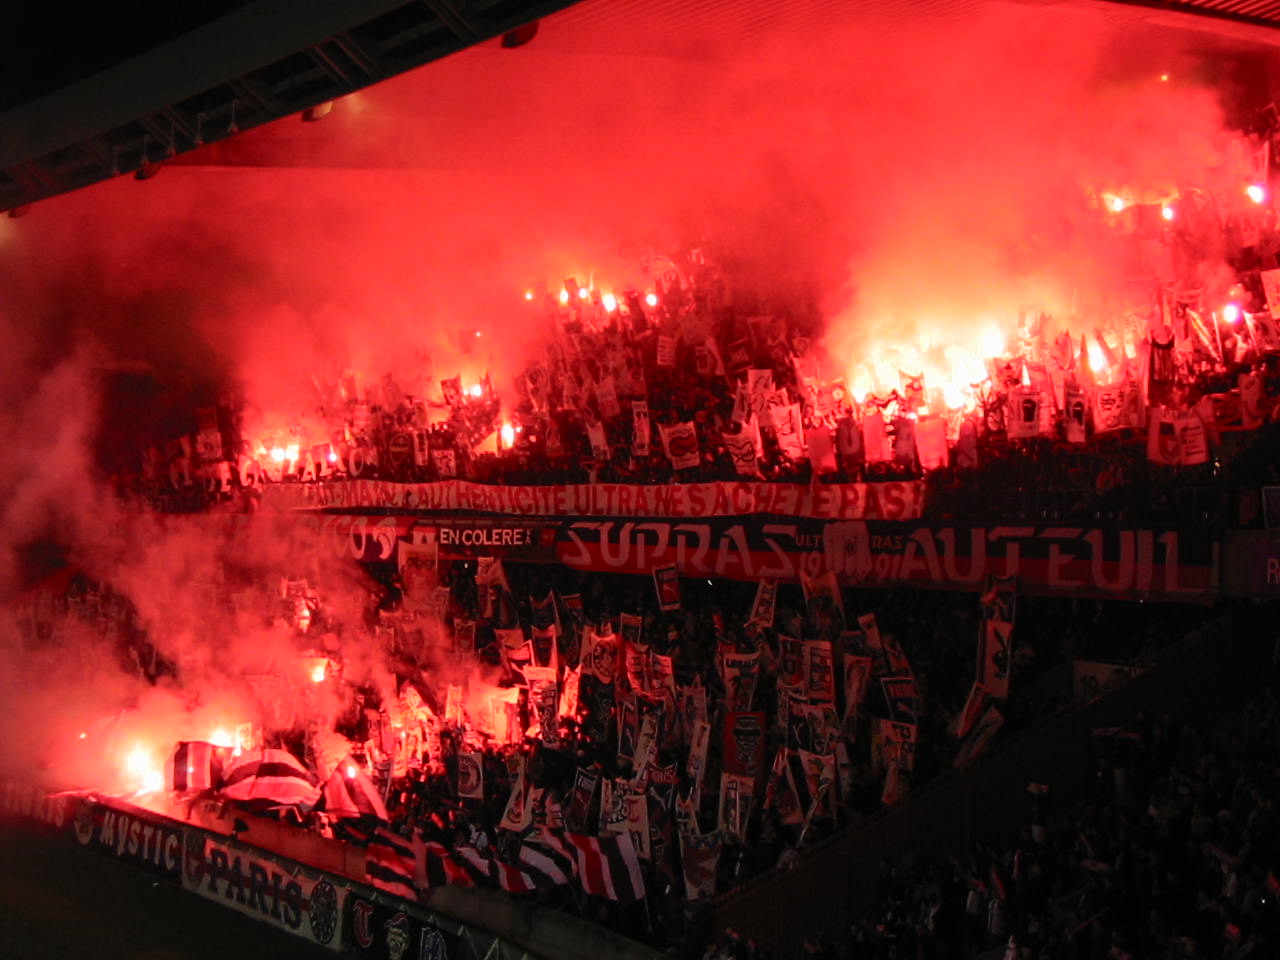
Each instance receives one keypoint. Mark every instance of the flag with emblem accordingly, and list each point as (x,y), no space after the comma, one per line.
(640,428)
(744,449)
(1176,438)
(1117,406)
(470,776)
(680,442)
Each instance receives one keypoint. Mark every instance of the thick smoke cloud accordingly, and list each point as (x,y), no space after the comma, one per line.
(898,179)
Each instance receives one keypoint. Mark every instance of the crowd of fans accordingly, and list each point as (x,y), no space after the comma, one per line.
(937,631)
(748,376)
(1172,855)
(693,381)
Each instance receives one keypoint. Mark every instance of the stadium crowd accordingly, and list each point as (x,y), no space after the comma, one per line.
(1173,854)
(723,734)
(423,787)
(1147,413)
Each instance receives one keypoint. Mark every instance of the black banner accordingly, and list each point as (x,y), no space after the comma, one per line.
(391,932)
(134,836)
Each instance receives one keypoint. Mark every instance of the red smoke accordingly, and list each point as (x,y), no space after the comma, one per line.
(914,182)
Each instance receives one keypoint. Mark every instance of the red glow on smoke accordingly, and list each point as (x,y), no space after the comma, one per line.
(845,180)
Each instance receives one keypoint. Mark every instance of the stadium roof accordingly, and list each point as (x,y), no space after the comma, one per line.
(85,96)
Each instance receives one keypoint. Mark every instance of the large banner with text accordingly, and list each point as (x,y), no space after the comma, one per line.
(889,500)
(1138,563)
(1079,561)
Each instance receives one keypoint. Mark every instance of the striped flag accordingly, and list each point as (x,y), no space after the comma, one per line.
(193,765)
(391,861)
(511,878)
(391,864)
(606,866)
(270,776)
(350,793)
(478,866)
(437,867)
(542,868)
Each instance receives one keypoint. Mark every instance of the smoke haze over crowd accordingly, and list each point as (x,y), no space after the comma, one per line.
(913,181)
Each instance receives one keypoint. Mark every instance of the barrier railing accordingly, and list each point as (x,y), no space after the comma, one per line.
(302,883)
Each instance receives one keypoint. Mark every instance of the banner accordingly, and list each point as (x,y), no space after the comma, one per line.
(1271,290)
(902,697)
(696,769)
(887,500)
(745,449)
(700,855)
(135,836)
(789,427)
(29,802)
(995,657)
(870,638)
(1023,420)
(743,750)
(419,562)
(1074,411)
(680,442)
(739,673)
(931,443)
(898,744)
(1144,563)
(819,676)
(518,815)
(875,438)
(666,583)
(640,429)
(1176,438)
(762,608)
(857,679)
(1137,563)
(581,812)
(691,702)
(290,896)
(390,931)
(599,656)
(735,805)
(1117,406)
(470,777)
